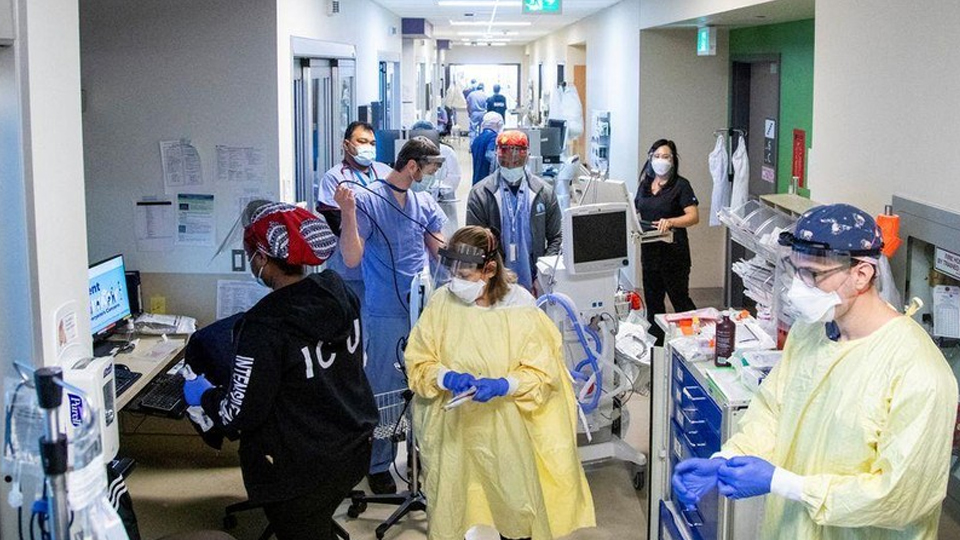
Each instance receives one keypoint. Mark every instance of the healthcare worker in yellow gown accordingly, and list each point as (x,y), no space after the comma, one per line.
(506,457)
(851,433)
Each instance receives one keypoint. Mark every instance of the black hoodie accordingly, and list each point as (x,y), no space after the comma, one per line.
(298,398)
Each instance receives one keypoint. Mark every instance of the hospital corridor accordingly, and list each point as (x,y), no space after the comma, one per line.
(479,270)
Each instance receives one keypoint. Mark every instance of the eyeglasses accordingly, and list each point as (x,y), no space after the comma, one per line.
(663,156)
(811,277)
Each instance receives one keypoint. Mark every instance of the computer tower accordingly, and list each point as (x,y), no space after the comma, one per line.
(134,292)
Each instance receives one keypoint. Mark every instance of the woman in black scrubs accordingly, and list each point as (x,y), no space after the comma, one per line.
(666,199)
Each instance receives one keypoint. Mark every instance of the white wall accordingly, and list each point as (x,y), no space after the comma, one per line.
(660,12)
(612,39)
(41,177)
(416,51)
(885,110)
(163,70)
(684,98)
(371,28)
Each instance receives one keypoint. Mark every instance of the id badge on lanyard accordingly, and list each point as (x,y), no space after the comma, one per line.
(514,218)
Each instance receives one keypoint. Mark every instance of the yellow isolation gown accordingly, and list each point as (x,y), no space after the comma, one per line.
(867,423)
(512,462)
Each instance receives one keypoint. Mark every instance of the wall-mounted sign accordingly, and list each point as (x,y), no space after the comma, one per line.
(799,156)
(770,142)
(707,41)
(542,7)
(947,263)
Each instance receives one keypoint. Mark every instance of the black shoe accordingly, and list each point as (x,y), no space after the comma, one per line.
(382,483)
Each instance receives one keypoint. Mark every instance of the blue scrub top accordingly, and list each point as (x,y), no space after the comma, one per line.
(409,252)
(327,187)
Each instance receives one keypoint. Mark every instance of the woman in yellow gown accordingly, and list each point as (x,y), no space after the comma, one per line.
(507,457)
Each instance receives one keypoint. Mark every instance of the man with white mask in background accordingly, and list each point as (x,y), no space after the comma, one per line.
(851,432)
(358,169)
(521,206)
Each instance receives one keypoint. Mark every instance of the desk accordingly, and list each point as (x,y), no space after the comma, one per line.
(151,357)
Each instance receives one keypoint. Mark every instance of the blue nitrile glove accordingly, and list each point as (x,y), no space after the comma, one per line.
(458,383)
(745,476)
(488,389)
(694,478)
(193,389)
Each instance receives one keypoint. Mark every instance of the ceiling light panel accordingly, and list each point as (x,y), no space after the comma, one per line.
(488,23)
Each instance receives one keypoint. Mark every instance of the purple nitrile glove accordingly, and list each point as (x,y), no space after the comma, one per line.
(488,389)
(458,383)
(694,478)
(193,389)
(745,476)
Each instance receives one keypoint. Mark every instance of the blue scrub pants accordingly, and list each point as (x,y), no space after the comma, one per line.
(358,288)
(382,336)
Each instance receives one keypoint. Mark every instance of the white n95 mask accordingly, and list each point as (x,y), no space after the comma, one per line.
(512,176)
(467,291)
(661,166)
(810,304)
(365,155)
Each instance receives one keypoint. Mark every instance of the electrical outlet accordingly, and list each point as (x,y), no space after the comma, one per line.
(158,304)
(239,260)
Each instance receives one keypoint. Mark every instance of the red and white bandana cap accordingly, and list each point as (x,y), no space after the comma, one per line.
(287,232)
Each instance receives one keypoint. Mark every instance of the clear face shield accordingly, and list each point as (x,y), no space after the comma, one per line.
(460,261)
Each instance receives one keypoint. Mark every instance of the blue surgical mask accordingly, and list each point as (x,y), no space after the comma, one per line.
(365,155)
(259,276)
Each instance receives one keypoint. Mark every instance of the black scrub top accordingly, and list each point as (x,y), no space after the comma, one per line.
(669,203)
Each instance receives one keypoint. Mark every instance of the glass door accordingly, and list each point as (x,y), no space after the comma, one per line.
(313,126)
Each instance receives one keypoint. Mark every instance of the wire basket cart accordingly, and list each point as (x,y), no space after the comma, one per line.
(394,425)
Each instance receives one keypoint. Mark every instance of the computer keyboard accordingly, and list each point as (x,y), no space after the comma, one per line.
(124,377)
(165,394)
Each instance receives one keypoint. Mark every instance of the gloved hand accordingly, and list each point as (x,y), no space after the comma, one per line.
(745,476)
(194,389)
(694,478)
(488,389)
(458,383)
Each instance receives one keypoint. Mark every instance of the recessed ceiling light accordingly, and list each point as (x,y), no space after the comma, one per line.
(488,23)
(477,3)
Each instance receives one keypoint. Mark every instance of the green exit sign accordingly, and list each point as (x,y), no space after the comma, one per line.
(707,41)
(542,7)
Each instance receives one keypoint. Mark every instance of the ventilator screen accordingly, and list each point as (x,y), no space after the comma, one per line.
(599,237)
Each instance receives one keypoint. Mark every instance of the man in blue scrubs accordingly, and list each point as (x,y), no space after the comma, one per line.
(392,230)
(358,165)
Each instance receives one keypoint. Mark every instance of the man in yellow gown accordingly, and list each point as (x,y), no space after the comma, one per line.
(851,433)
(507,458)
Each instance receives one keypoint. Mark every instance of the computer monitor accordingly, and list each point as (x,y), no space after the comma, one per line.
(109,298)
(551,143)
(595,238)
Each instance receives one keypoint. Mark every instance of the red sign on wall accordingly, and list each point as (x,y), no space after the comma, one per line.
(799,155)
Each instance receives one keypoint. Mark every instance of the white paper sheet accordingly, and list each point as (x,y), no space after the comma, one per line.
(154,225)
(240,164)
(196,225)
(234,296)
(181,165)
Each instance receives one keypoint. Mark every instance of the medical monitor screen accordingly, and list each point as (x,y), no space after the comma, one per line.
(109,301)
(599,237)
(551,144)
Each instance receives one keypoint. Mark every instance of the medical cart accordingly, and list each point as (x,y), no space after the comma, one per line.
(696,407)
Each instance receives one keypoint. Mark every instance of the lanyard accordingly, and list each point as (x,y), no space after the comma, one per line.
(513,214)
(359,176)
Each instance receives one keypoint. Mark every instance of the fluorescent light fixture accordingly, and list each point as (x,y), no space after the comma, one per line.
(488,23)
(478,33)
(478,3)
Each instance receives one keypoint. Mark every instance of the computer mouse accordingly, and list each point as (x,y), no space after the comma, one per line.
(121,367)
